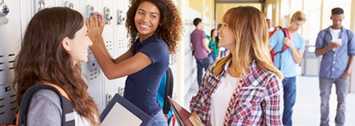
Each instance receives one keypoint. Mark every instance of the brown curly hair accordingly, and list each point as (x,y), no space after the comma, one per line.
(170,22)
(43,58)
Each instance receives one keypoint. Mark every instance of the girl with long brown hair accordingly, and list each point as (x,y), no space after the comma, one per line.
(54,45)
(241,89)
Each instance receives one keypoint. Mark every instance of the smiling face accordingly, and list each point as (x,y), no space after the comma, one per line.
(147,19)
(78,46)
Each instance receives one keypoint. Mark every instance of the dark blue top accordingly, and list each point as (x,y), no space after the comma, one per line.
(334,62)
(141,87)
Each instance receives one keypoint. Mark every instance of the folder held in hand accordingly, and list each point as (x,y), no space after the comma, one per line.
(121,112)
(184,117)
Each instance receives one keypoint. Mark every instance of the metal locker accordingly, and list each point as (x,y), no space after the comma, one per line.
(41,4)
(110,8)
(73,4)
(91,69)
(7,104)
(10,38)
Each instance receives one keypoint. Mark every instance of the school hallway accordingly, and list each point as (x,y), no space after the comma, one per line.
(15,16)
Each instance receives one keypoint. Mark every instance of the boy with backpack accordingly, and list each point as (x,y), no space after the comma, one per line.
(287,48)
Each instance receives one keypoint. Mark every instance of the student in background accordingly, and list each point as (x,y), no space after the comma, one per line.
(200,48)
(154,27)
(291,47)
(54,45)
(213,44)
(241,89)
(336,45)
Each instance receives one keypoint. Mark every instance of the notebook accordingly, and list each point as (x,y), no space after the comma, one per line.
(181,114)
(121,112)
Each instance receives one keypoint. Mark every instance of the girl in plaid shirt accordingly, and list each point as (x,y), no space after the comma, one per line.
(241,89)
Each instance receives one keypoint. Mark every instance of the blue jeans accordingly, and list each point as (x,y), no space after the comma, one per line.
(158,120)
(289,86)
(202,65)
(325,86)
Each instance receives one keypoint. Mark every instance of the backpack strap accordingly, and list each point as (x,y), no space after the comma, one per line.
(286,34)
(275,29)
(26,101)
(169,86)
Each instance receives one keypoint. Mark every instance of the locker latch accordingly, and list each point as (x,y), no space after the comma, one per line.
(107,15)
(69,4)
(4,10)
(120,17)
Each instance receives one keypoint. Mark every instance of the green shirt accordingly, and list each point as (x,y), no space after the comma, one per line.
(214,46)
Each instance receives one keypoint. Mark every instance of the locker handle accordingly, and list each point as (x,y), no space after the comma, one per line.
(69,4)
(41,4)
(4,10)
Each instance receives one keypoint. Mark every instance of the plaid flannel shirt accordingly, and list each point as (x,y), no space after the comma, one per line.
(255,101)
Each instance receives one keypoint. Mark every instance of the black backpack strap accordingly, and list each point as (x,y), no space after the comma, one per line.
(68,112)
(169,86)
(26,101)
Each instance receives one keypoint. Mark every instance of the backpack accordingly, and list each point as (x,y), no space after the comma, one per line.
(168,90)
(67,107)
(273,52)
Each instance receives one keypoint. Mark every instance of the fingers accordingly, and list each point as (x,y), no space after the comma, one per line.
(99,20)
(92,20)
(89,23)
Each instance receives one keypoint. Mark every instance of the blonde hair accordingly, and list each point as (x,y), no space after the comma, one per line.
(298,16)
(251,41)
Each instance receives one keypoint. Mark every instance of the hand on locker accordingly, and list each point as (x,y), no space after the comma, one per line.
(95,25)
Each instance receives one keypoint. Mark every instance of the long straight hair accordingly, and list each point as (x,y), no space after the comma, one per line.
(251,41)
(43,58)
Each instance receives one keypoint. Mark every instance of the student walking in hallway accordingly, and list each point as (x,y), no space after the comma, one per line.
(290,47)
(200,48)
(336,45)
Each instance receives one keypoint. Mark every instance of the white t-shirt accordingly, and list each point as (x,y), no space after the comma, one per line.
(221,97)
(335,33)
(335,36)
